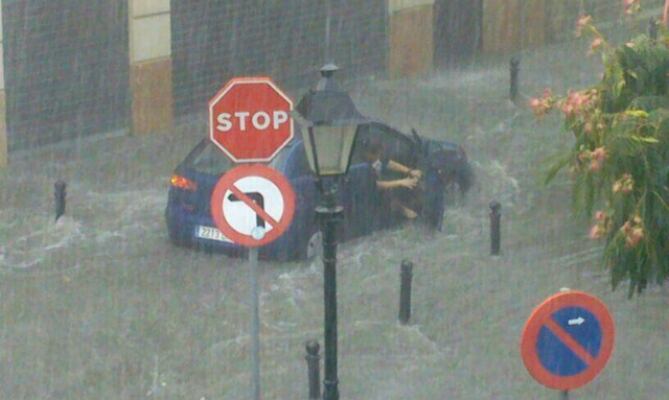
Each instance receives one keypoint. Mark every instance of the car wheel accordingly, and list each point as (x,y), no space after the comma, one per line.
(176,239)
(314,246)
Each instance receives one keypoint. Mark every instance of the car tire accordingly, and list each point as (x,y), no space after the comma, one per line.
(176,239)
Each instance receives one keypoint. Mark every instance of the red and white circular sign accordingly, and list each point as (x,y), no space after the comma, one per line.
(252,196)
(250,119)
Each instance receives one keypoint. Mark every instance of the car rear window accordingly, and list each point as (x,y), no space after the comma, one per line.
(209,159)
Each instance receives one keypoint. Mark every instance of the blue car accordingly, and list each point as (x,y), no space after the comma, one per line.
(444,166)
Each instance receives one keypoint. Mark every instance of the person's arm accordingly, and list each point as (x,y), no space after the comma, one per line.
(408,183)
(403,169)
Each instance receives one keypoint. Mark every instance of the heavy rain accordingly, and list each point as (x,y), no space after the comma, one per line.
(504,153)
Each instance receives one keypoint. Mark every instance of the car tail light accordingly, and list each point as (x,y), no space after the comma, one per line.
(180,182)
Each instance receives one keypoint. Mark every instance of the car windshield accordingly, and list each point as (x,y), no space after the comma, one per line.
(207,158)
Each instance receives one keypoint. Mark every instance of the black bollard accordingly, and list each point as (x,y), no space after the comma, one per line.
(515,71)
(495,222)
(60,195)
(652,29)
(405,292)
(314,372)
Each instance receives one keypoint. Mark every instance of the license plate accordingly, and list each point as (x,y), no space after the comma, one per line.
(207,232)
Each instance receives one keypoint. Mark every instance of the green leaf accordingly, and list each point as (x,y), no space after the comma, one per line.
(637,113)
(644,139)
(556,167)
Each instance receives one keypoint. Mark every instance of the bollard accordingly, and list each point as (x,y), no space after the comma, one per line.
(652,29)
(495,222)
(60,194)
(405,292)
(313,367)
(564,395)
(515,71)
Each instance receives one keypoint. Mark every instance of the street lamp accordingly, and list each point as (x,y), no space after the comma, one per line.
(332,122)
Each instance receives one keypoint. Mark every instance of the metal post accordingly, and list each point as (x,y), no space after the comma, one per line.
(60,195)
(258,233)
(652,29)
(329,215)
(405,292)
(515,71)
(564,395)
(328,23)
(495,231)
(313,368)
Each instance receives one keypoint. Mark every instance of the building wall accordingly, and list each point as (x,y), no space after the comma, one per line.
(411,37)
(511,25)
(65,69)
(214,41)
(150,57)
(3,105)
(458,25)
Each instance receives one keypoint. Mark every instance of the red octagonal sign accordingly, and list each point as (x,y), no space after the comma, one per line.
(249,119)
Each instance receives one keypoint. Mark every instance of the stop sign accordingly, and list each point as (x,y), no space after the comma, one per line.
(249,119)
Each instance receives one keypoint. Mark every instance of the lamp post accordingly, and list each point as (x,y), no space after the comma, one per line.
(332,122)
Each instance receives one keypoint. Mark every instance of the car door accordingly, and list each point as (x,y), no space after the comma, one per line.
(367,211)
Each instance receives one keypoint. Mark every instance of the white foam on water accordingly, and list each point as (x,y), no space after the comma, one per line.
(31,248)
(92,221)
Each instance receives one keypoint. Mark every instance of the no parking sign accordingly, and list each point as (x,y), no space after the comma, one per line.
(567,340)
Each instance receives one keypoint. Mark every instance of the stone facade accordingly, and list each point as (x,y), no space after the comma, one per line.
(150,66)
(411,33)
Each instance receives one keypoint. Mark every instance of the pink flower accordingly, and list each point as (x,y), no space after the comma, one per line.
(595,166)
(596,232)
(577,101)
(599,154)
(541,106)
(624,185)
(633,231)
(634,237)
(596,44)
(602,227)
(597,159)
(587,128)
(583,21)
(631,6)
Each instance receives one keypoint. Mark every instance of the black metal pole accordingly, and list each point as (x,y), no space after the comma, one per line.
(405,292)
(652,29)
(564,395)
(329,216)
(515,71)
(60,195)
(313,367)
(495,231)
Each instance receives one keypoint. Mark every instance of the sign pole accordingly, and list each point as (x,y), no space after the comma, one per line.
(258,233)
